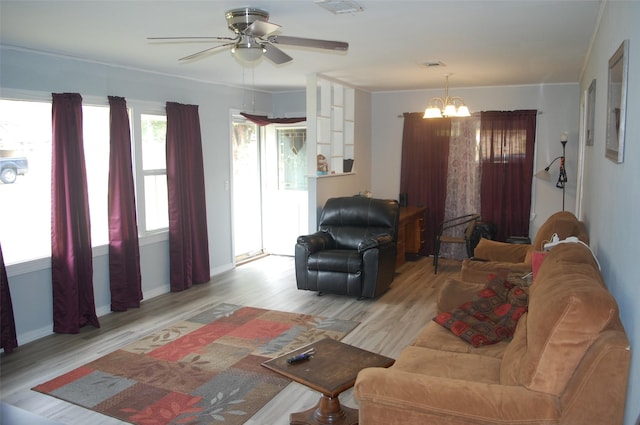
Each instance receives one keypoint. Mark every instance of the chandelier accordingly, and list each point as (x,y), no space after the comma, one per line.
(449,106)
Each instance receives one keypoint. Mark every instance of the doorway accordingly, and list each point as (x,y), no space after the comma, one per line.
(247,192)
(270,201)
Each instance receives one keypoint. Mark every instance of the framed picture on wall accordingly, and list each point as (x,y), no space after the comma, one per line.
(591,112)
(616,102)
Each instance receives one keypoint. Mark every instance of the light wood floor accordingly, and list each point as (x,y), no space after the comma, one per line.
(388,324)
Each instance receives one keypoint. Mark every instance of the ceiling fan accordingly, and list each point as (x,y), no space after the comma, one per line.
(254,37)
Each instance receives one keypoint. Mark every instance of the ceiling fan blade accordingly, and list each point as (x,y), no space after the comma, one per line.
(308,42)
(191,38)
(260,28)
(276,55)
(203,52)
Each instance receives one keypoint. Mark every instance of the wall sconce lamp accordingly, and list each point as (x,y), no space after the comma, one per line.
(562,175)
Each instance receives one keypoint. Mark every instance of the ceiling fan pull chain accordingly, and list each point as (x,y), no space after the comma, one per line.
(253,89)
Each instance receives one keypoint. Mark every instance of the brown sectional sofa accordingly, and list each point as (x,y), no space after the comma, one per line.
(489,256)
(567,363)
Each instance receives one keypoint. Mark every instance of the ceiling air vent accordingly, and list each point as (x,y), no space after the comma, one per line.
(339,6)
(434,64)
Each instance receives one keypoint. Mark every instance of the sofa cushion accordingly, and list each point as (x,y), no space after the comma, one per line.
(490,317)
(397,397)
(510,367)
(436,337)
(465,366)
(509,253)
(479,271)
(455,292)
(568,308)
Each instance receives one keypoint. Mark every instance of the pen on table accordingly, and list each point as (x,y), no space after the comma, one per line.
(302,356)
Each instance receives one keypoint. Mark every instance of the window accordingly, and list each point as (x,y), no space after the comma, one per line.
(25,219)
(502,146)
(292,158)
(95,132)
(25,216)
(154,170)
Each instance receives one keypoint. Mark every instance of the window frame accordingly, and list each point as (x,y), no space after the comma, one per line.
(140,108)
(135,109)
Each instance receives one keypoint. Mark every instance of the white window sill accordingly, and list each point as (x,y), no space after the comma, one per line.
(44,263)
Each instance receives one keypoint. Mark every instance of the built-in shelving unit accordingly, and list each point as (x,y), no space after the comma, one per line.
(335,126)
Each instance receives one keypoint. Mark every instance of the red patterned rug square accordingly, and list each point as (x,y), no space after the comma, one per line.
(204,370)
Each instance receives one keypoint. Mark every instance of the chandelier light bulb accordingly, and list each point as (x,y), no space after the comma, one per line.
(463,111)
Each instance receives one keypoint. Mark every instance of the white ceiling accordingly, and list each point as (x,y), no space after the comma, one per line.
(481,43)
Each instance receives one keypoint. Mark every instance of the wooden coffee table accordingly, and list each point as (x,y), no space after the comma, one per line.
(332,370)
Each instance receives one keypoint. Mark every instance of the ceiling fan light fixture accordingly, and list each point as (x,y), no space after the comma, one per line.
(248,50)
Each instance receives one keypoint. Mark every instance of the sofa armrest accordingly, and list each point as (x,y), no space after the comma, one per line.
(316,242)
(501,251)
(375,242)
(389,397)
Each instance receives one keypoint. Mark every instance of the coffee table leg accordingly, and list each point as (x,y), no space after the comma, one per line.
(328,411)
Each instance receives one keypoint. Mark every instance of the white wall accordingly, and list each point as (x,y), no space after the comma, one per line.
(37,75)
(558,112)
(612,191)
(289,104)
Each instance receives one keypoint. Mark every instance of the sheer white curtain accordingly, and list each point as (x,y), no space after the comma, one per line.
(463,178)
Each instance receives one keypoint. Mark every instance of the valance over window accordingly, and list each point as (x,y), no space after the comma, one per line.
(264,120)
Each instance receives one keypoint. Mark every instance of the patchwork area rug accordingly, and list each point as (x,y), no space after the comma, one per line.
(205,370)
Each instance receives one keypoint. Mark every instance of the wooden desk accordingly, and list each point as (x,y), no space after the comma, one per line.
(410,230)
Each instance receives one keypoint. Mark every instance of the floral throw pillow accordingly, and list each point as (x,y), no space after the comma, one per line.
(491,316)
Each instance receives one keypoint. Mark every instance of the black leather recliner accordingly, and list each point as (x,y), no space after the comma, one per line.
(353,252)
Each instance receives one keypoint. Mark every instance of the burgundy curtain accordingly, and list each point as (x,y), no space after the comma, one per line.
(124,252)
(423,175)
(71,255)
(8,339)
(188,239)
(507,140)
(265,120)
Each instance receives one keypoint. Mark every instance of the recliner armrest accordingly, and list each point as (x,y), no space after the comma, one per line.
(375,242)
(316,241)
